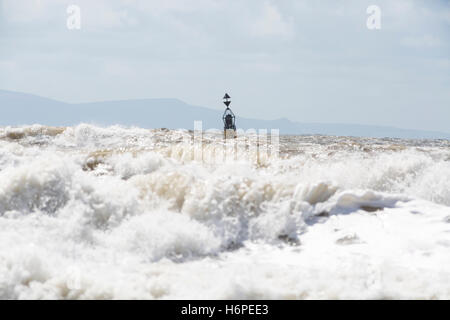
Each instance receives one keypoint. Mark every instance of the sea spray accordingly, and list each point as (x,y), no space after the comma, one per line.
(99,213)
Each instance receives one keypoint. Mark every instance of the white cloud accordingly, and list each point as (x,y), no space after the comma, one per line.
(157,7)
(99,15)
(19,11)
(272,23)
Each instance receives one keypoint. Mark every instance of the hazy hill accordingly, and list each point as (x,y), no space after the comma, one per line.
(20,108)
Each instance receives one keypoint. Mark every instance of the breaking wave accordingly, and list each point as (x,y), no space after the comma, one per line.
(90,212)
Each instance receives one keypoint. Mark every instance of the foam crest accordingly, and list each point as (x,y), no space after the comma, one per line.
(100,213)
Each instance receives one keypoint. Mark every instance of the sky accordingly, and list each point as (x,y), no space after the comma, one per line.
(307,61)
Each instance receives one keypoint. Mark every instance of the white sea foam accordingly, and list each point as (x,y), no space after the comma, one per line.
(99,213)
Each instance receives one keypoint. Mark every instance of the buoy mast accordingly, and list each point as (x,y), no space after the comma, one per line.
(229,119)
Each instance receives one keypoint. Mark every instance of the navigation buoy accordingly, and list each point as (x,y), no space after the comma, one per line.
(229,119)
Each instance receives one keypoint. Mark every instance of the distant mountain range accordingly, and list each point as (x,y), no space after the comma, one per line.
(21,108)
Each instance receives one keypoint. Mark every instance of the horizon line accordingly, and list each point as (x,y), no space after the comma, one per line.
(246,118)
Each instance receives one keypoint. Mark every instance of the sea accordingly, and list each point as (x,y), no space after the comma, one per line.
(91,212)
